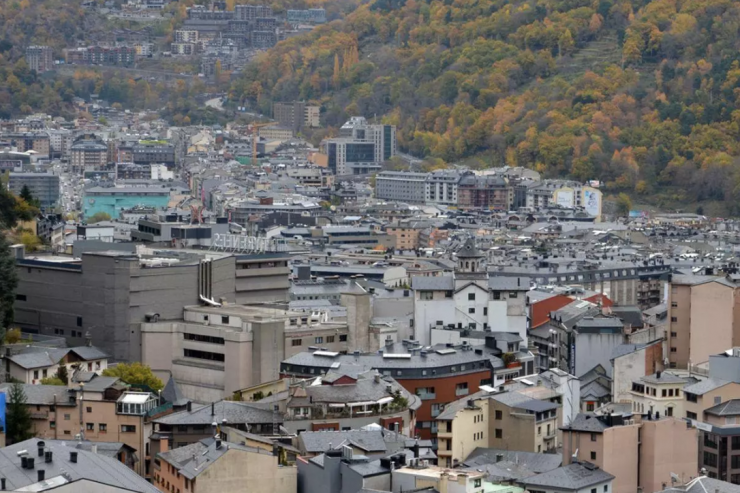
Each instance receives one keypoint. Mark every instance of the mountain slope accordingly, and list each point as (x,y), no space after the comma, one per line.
(643,95)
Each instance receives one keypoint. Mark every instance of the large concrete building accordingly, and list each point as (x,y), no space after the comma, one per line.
(361,148)
(401,186)
(44,187)
(111,293)
(112,200)
(215,351)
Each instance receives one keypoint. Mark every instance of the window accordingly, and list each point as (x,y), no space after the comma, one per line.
(710,459)
(448,294)
(499,433)
(593,455)
(329,339)
(343,338)
(89,409)
(512,294)
(690,415)
(476,483)
(673,350)
(90,426)
(593,437)
(593,490)
(296,342)
(67,432)
(485,310)
(471,296)
(674,304)
(471,310)
(674,334)
(44,373)
(66,417)
(426,295)
(128,428)
(20,297)
(497,295)
(664,393)
(35,374)
(717,400)
(674,319)
(52,424)
(225,319)
(499,414)
(319,340)
(79,321)
(202,338)
(207,355)
(606,488)
(539,430)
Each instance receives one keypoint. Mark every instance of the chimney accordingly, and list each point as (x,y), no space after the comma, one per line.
(41,474)
(30,462)
(2,484)
(73,457)
(376,377)
(190,407)
(213,408)
(499,457)
(24,462)
(40,446)
(218,443)
(658,375)
(88,339)
(48,456)
(94,448)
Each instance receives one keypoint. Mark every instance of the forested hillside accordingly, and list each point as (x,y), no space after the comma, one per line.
(643,95)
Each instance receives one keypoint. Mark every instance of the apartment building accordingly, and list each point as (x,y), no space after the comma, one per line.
(439,376)
(408,233)
(402,186)
(39,58)
(640,453)
(38,142)
(489,192)
(630,362)
(88,152)
(186,36)
(100,410)
(526,420)
(296,115)
(216,466)
(153,152)
(441,187)
(361,148)
(44,187)
(719,446)
(34,364)
(414,477)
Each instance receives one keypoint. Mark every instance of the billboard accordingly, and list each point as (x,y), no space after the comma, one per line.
(592,201)
(565,198)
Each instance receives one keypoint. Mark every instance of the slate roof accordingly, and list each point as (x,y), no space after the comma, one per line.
(368,469)
(233,412)
(594,389)
(506,336)
(727,408)
(198,457)
(704,386)
(521,401)
(108,449)
(99,384)
(704,484)
(317,442)
(93,467)
(624,349)
(587,422)
(665,377)
(363,390)
(171,393)
(537,463)
(433,283)
(503,283)
(630,314)
(44,357)
(571,477)
(469,250)
(44,394)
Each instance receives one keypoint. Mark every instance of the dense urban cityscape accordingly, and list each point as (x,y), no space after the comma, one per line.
(289,247)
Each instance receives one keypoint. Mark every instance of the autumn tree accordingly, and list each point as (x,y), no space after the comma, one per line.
(135,374)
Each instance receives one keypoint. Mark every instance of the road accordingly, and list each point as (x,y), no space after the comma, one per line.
(216,104)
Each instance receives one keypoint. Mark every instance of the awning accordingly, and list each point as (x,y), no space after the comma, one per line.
(336,405)
(385,400)
(356,404)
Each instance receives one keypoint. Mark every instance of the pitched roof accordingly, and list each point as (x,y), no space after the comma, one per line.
(704,386)
(321,441)
(587,422)
(44,394)
(90,466)
(171,393)
(703,484)
(727,408)
(233,412)
(571,477)
(537,463)
(433,283)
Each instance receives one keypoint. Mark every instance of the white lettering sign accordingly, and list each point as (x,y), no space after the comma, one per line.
(244,244)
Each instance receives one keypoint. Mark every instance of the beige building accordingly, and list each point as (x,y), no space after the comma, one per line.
(641,454)
(703,318)
(276,132)
(439,478)
(658,393)
(100,411)
(526,420)
(222,467)
(216,351)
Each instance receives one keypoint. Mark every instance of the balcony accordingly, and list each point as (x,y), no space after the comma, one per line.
(444,434)
(461,392)
(40,415)
(436,412)
(425,396)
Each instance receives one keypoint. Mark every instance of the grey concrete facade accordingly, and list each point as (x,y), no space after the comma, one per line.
(110,294)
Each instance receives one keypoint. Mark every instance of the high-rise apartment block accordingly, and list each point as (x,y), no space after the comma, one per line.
(39,58)
(296,115)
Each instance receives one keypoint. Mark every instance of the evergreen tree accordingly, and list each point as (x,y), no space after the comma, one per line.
(62,373)
(18,419)
(26,194)
(9,283)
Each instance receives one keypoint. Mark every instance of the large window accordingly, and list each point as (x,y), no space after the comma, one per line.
(207,355)
(710,459)
(202,338)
